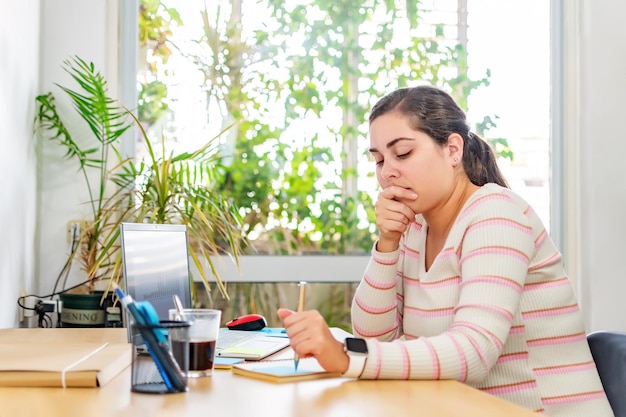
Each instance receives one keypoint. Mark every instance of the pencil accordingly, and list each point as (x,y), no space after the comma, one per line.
(302,286)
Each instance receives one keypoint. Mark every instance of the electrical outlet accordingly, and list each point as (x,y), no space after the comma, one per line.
(74,229)
(45,311)
(51,306)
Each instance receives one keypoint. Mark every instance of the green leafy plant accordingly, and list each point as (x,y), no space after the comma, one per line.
(180,188)
(165,187)
(100,154)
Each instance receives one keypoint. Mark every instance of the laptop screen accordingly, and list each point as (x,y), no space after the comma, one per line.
(156,264)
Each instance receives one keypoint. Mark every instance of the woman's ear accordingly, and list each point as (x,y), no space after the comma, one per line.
(454,148)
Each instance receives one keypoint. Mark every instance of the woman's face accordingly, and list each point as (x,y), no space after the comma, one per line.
(411,159)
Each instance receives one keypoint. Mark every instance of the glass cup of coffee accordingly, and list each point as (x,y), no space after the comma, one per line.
(203,330)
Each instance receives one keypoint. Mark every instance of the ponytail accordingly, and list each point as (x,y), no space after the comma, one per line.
(479,162)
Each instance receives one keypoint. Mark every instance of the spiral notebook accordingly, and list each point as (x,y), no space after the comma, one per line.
(279,371)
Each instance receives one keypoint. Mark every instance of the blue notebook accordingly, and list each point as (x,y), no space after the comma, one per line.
(226,363)
(283,370)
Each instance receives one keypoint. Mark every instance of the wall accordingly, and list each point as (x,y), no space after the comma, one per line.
(602,155)
(69,28)
(19,63)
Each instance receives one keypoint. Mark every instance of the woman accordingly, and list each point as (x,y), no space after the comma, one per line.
(464,282)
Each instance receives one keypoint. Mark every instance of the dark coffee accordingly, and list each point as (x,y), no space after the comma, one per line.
(201,354)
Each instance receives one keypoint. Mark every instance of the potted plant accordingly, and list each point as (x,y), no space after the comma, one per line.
(164,188)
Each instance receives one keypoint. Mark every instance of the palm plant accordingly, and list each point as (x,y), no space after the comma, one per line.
(163,188)
(108,122)
(180,188)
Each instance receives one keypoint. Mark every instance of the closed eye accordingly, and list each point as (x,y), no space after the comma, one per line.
(401,156)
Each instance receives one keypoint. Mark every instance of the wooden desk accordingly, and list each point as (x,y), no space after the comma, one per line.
(225,394)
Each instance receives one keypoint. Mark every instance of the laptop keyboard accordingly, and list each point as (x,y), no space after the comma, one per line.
(229,337)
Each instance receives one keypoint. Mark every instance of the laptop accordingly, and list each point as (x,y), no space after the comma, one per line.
(156,267)
(250,345)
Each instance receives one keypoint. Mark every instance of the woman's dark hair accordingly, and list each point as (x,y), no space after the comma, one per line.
(434,112)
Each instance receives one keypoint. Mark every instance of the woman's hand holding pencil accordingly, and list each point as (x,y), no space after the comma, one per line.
(309,335)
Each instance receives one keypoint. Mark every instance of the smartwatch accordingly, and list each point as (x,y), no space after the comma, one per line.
(357,353)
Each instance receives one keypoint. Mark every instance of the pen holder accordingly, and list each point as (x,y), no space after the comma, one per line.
(154,369)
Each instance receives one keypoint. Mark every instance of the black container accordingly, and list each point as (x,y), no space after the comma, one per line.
(145,376)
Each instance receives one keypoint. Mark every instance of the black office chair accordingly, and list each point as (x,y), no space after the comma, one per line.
(609,352)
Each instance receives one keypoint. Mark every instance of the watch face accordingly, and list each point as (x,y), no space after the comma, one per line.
(356,345)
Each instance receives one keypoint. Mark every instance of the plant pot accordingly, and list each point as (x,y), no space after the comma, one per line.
(82,310)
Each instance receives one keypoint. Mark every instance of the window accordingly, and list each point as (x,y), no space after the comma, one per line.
(288,72)
(517,54)
(303,110)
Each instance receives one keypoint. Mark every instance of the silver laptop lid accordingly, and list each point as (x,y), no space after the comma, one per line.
(156,265)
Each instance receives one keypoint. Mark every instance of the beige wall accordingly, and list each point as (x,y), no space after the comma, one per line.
(38,198)
(19,71)
(599,124)
(69,28)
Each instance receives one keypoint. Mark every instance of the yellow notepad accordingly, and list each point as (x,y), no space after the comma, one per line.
(283,370)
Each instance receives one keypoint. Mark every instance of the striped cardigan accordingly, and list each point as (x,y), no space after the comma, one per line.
(495,310)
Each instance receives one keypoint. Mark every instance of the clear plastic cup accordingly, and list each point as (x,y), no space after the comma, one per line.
(203,331)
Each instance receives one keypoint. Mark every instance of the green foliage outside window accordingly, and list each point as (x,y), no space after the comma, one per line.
(300,191)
